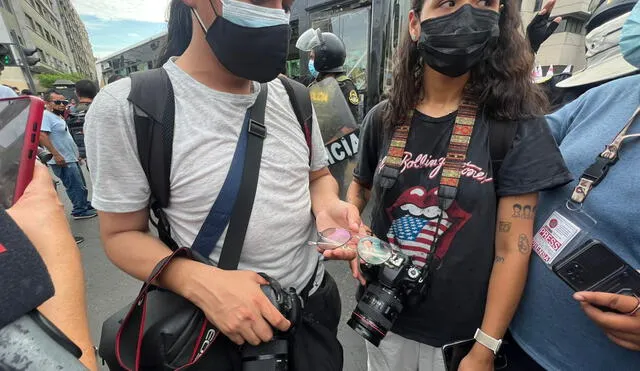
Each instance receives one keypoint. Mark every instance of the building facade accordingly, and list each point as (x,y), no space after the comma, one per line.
(138,57)
(54,28)
(567,45)
(78,39)
(42,24)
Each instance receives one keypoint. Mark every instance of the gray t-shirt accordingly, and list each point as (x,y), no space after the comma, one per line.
(207,126)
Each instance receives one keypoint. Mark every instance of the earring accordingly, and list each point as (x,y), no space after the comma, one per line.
(414,37)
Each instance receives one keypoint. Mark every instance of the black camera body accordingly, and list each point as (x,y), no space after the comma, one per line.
(390,287)
(274,355)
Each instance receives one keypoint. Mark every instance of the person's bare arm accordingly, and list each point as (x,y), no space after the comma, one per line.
(514,233)
(49,232)
(358,195)
(46,142)
(232,300)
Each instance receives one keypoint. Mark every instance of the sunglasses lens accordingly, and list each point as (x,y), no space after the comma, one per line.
(333,238)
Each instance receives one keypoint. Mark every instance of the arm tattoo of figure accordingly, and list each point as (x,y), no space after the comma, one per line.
(504,227)
(524,211)
(499,259)
(523,244)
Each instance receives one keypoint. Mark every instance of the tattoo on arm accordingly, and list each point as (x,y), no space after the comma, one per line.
(524,211)
(499,259)
(523,244)
(504,227)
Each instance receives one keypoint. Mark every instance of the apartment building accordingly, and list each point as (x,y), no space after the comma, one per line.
(78,39)
(54,28)
(44,28)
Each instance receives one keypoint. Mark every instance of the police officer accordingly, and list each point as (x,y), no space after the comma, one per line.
(327,60)
(335,99)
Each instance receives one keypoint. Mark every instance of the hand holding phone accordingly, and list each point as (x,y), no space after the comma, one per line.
(620,324)
(20,120)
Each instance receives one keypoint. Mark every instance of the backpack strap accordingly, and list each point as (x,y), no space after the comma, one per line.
(154,115)
(501,137)
(302,106)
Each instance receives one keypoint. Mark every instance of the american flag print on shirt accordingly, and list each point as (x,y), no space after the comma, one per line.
(415,217)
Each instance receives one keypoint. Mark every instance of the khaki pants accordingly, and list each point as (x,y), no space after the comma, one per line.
(399,354)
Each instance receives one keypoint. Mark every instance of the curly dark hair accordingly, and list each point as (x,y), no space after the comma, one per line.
(502,82)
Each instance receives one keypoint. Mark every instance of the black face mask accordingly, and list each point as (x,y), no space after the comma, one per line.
(256,54)
(58,112)
(455,43)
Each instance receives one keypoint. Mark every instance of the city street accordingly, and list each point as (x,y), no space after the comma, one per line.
(108,289)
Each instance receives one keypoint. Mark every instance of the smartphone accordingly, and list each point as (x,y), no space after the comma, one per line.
(20,121)
(594,267)
(454,353)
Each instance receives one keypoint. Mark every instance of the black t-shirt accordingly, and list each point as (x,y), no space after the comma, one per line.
(453,308)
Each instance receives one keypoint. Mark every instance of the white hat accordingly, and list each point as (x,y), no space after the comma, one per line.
(604,59)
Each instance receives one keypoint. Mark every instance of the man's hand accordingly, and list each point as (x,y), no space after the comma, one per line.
(622,329)
(235,304)
(340,214)
(60,161)
(39,212)
(479,359)
(541,28)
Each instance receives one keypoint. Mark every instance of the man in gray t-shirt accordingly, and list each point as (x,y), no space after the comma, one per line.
(213,91)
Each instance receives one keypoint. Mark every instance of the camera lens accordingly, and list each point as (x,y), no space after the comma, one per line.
(376,312)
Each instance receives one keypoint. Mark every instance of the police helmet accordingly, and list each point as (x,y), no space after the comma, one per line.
(330,55)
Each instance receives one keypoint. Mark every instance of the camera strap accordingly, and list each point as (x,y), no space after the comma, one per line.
(600,168)
(457,153)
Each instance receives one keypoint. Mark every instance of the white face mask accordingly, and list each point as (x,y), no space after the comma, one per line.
(254,16)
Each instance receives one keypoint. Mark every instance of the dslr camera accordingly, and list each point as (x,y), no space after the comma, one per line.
(274,355)
(391,285)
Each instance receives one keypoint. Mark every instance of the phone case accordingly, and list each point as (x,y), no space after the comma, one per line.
(594,267)
(30,146)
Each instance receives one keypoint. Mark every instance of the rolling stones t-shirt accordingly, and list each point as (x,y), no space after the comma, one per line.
(408,214)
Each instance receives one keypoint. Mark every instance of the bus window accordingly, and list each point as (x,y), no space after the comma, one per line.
(353,28)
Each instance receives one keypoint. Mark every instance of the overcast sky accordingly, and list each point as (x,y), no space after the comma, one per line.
(116,24)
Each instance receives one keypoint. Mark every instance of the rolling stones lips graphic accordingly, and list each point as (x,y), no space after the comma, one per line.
(415,224)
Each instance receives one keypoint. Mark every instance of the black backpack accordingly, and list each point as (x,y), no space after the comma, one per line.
(75,123)
(153,101)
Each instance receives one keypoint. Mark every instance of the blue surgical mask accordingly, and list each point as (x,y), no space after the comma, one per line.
(630,39)
(254,16)
(312,68)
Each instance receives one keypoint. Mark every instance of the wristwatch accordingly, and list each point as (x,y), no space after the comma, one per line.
(488,341)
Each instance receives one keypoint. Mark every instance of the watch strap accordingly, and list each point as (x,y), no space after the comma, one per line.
(488,341)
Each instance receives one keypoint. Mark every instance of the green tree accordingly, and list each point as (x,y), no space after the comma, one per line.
(48,79)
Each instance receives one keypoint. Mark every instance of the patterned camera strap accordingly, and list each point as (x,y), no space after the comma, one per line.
(457,151)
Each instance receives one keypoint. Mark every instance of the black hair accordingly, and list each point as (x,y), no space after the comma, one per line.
(86,89)
(517,206)
(113,79)
(47,95)
(26,92)
(179,33)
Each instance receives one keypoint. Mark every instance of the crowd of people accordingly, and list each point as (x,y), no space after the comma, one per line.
(469,172)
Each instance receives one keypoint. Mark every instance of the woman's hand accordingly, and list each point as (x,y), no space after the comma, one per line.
(479,359)
(622,329)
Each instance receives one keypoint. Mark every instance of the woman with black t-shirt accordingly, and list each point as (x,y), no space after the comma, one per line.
(461,81)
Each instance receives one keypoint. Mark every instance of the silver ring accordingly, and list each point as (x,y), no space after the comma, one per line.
(637,308)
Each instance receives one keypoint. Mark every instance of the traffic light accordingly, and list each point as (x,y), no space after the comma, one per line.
(6,56)
(29,55)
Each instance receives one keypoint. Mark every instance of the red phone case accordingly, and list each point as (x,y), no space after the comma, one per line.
(30,146)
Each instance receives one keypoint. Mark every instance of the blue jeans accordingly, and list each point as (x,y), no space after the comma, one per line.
(73,180)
